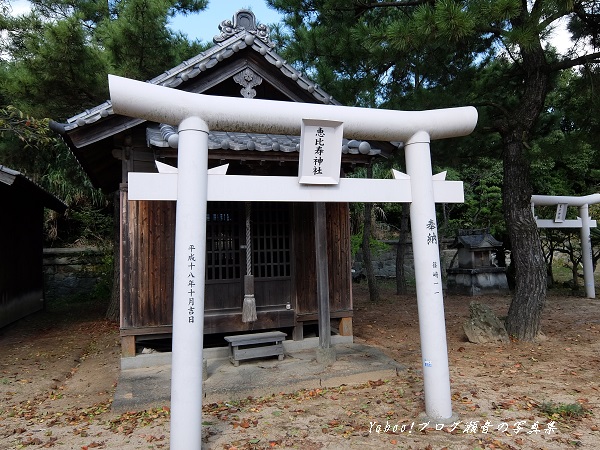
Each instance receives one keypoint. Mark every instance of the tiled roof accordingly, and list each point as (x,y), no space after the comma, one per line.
(232,39)
(166,136)
(476,239)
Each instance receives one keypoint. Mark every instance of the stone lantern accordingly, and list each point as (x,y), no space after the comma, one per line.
(476,273)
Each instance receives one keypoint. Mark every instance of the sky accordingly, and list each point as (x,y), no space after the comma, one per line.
(205,24)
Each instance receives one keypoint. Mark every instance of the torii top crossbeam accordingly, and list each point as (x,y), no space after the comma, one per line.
(553,200)
(163,105)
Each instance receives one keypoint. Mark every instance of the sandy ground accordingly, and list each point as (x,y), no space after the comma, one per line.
(58,372)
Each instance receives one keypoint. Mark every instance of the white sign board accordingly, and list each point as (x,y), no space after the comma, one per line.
(561,212)
(320,151)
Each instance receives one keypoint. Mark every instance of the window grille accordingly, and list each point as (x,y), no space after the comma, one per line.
(271,240)
(223,241)
(225,232)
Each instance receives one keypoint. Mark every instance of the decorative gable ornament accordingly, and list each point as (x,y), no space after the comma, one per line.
(248,79)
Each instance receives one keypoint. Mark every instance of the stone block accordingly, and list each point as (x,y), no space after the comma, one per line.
(483,326)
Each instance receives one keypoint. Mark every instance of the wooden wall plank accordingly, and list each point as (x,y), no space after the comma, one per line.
(232,322)
(148,257)
(272,291)
(304,258)
(339,258)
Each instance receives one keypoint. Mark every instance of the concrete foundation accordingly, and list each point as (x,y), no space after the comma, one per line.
(144,381)
(480,281)
(325,356)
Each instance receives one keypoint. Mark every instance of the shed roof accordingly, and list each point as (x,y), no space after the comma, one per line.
(17,181)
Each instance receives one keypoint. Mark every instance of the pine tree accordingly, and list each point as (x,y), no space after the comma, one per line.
(408,48)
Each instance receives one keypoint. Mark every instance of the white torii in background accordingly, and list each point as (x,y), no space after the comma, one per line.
(190,185)
(583,222)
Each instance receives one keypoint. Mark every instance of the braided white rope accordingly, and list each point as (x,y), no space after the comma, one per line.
(248,240)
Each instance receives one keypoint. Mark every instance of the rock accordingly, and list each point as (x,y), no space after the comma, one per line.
(483,326)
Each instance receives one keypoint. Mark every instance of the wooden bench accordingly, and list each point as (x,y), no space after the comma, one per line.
(256,345)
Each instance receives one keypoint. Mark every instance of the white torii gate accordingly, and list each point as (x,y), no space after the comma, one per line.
(195,114)
(583,222)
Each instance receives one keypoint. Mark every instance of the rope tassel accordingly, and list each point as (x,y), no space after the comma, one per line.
(249,309)
(249,305)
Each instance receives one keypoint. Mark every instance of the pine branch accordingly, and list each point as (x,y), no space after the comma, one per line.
(496,106)
(568,63)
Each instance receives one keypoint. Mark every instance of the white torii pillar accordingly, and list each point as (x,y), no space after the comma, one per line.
(430,300)
(196,114)
(583,222)
(188,287)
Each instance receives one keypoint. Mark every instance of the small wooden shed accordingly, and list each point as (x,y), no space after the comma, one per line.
(22,203)
(242,63)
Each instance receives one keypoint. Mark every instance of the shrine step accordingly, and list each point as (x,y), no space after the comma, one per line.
(255,345)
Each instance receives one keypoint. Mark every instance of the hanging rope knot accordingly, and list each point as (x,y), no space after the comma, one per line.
(249,305)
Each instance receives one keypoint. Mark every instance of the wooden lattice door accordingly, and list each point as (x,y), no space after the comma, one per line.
(271,257)
(225,255)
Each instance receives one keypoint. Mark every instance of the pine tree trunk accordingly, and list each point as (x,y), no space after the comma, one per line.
(366,247)
(524,315)
(113,310)
(527,257)
(401,287)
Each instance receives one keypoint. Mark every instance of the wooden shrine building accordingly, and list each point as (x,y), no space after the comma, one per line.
(22,203)
(242,63)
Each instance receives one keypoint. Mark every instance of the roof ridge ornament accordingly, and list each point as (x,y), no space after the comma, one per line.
(243,20)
